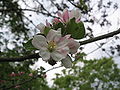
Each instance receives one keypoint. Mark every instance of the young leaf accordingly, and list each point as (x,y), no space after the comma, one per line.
(77,30)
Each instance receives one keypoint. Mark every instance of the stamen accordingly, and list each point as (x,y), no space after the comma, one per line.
(51,46)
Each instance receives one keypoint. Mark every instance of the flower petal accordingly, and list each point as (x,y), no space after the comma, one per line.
(63,41)
(75,14)
(45,54)
(65,15)
(67,62)
(51,35)
(63,50)
(78,14)
(60,53)
(39,41)
(73,46)
(41,27)
(57,56)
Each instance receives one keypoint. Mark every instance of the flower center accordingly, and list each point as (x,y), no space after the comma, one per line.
(51,46)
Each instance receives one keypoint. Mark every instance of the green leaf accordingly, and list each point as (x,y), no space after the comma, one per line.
(28,45)
(77,30)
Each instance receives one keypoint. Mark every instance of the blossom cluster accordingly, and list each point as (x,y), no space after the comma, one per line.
(53,46)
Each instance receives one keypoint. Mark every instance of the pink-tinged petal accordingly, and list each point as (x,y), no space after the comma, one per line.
(52,34)
(39,42)
(57,38)
(67,62)
(57,56)
(75,14)
(66,16)
(45,54)
(56,20)
(61,51)
(78,14)
(41,27)
(71,14)
(73,46)
(63,41)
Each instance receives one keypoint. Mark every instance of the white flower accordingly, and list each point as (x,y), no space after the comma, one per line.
(53,46)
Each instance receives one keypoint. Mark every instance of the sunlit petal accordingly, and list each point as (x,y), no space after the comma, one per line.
(39,41)
(52,34)
(57,56)
(45,54)
(41,27)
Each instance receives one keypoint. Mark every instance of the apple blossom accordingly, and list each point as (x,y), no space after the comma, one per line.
(51,46)
(56,47)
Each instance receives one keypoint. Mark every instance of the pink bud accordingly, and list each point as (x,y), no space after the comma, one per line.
(56,20)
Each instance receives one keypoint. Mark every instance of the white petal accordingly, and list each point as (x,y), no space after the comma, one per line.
(51,35)
(71,14)
(57,56)
(63,50)
(63,42)
(57,38)
(73,46)
(45,54)
(39,41)
(67,62)
(77,14)
(41,27)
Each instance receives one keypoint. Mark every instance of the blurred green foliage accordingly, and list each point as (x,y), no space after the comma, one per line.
(94,74)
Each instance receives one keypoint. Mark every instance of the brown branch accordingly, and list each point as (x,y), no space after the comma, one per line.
(33,56)
(32,10)
(111,34)
(19,59)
